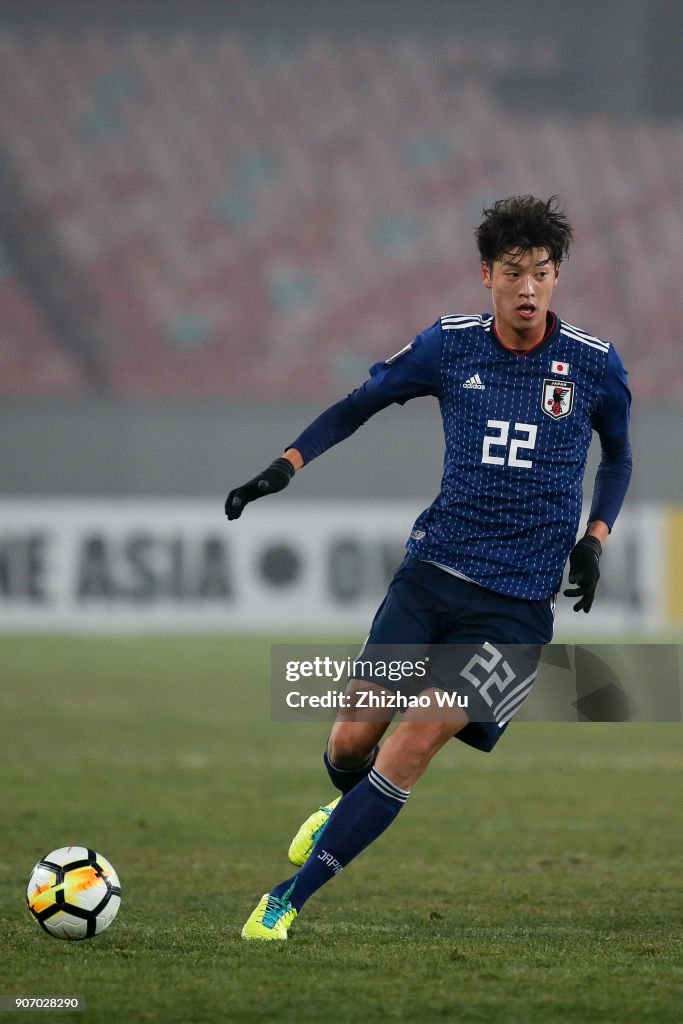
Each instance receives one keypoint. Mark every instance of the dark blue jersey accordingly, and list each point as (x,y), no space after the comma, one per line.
(517,429)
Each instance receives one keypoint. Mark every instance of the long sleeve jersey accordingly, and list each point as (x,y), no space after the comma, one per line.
(517,429)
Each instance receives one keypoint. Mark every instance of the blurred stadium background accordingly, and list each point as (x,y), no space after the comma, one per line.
(214,222)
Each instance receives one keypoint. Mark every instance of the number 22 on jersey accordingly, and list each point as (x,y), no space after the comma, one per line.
(508,447)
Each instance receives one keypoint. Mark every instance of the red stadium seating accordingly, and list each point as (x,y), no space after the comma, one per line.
(30,360)
(251,214)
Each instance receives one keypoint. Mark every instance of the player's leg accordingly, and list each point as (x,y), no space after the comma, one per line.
(363,814)
(411,614)
(352,745)
(350,753)
(368,809)
(406,754)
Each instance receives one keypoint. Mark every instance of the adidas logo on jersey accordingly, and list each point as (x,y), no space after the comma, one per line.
(474,382)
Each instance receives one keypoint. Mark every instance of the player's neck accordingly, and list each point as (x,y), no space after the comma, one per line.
(523,341)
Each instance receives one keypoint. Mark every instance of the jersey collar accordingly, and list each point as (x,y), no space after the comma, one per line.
(551,333)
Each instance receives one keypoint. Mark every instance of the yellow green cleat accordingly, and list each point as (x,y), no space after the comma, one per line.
(270,920)
(308,835)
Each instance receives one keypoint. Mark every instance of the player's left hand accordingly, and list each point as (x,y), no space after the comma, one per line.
(584,571)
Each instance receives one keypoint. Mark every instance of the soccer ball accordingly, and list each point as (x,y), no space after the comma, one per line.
(73,893)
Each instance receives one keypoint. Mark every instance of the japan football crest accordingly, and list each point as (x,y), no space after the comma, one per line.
(557,398)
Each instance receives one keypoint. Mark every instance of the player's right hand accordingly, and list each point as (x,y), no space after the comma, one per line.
(274,478)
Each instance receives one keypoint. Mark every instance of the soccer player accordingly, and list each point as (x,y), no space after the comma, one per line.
(520,392)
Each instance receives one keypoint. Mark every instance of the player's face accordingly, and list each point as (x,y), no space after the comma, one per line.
(521,286)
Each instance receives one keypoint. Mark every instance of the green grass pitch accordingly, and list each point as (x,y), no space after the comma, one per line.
(539,884)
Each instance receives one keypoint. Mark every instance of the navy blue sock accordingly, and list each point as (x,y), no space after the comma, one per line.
(357,820)
(346,778)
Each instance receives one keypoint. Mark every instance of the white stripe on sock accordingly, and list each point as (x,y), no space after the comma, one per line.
(388,788)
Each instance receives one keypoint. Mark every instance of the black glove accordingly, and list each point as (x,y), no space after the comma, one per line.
(274,478)
(584,570)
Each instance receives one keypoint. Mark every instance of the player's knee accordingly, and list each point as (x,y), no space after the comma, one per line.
(349,744)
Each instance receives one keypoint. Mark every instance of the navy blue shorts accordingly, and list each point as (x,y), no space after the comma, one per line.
(426,605)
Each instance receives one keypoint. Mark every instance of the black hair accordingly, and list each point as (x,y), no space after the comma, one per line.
(524,223)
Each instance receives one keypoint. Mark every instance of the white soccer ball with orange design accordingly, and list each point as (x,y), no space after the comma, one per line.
(73,893)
